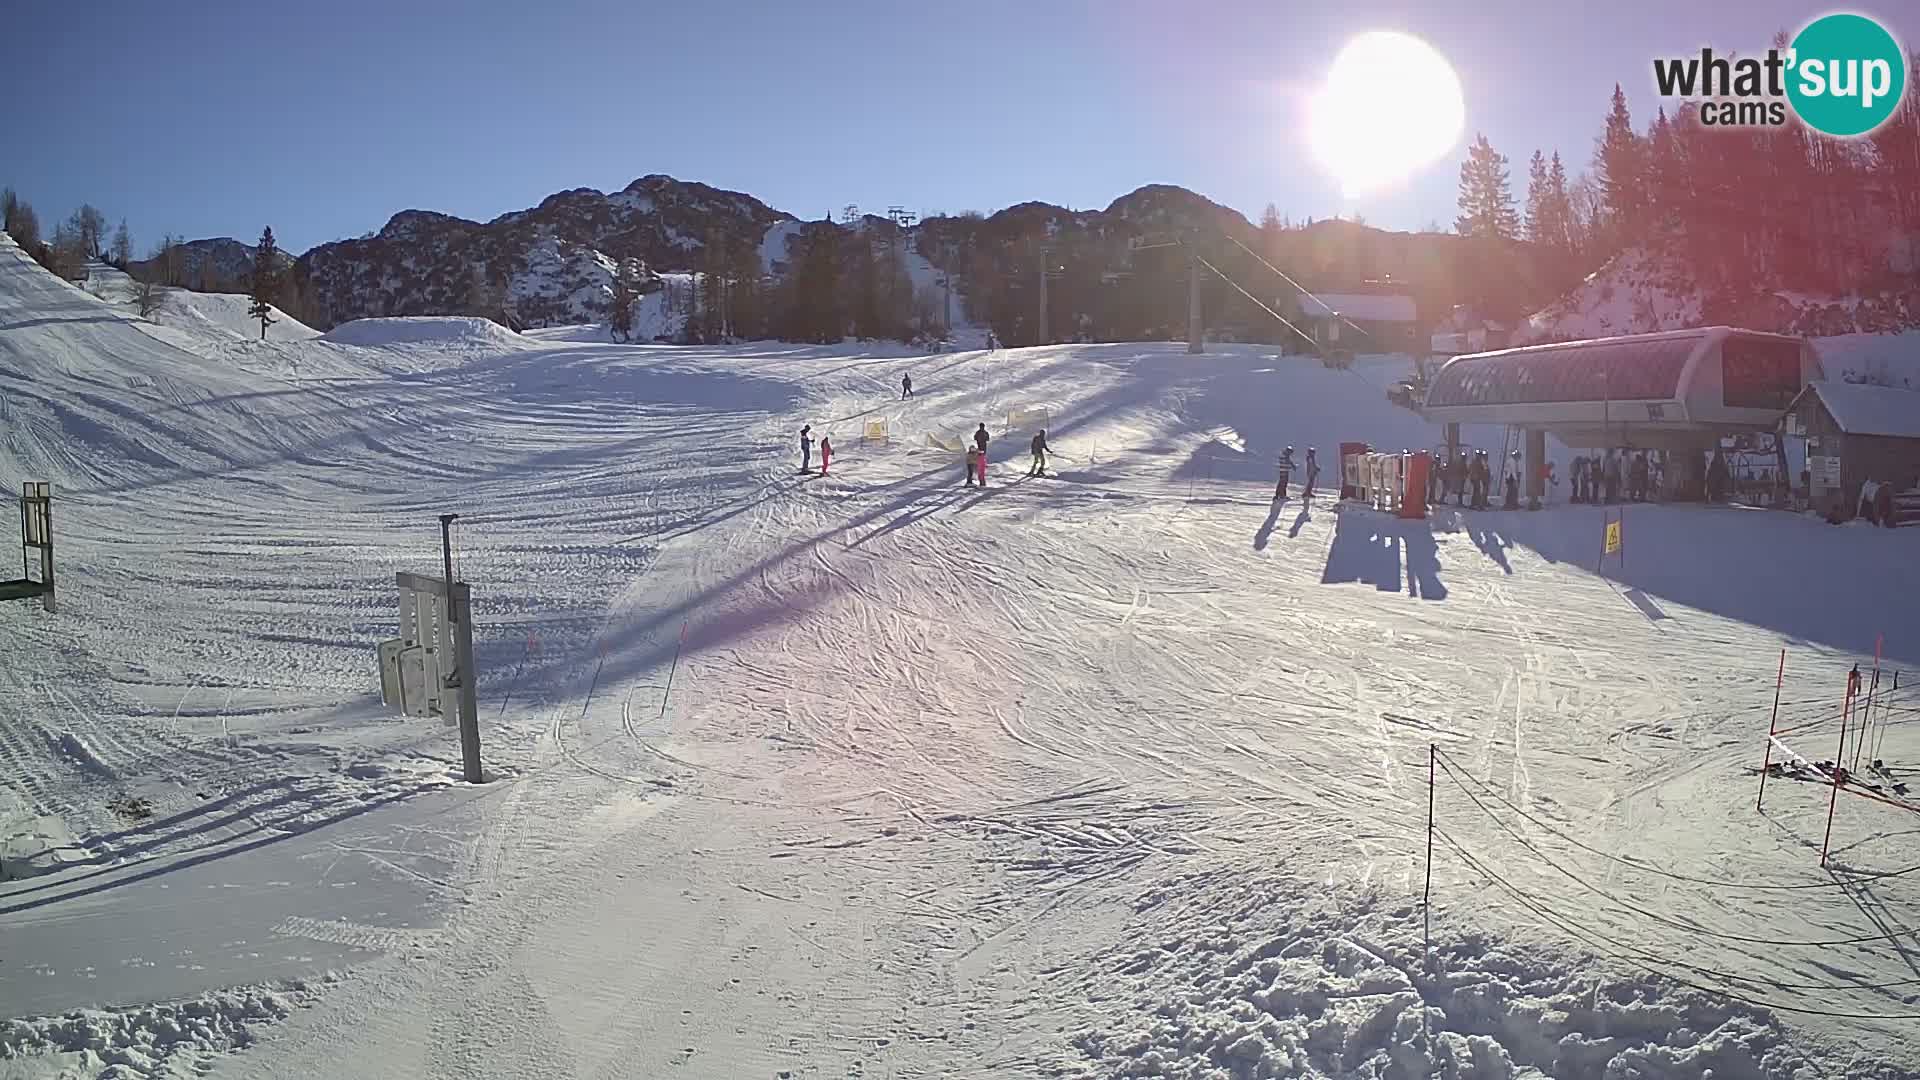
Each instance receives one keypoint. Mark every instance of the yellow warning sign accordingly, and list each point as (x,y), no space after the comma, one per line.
(1613,538)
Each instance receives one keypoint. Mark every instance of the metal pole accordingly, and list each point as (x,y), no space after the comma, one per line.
(1196,333)
(1042,338)
(460,600)
(1766,760)
(446,555)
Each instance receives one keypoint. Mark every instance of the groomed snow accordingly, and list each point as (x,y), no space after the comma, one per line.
(1121,771)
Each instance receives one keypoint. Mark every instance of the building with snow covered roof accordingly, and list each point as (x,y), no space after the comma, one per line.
(1361,322)
(1856,434)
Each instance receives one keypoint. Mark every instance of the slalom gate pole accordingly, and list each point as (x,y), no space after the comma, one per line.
(1866,726)
(1426,900)
(1833,776)
(1766,760)
(675,667)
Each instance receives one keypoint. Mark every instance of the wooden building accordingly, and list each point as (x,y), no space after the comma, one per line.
(1856,434)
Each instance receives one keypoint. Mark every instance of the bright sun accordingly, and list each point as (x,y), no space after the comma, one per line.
(1391,106)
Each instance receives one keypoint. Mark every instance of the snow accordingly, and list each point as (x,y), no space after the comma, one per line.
(420,329)
(1634,293)
(1359,306)
(1872,410)
(1121,771)
(773,246)
(219,315)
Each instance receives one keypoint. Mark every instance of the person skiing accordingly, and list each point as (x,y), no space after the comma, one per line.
(1460,472)
(973,464)
(906,387)
(1039,448)
(1286,469)
(980,437)
(826,454)
(1313,473)
(806,448)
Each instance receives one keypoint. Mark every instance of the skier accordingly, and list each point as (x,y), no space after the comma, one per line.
(1613,478)
(973,464)
(1435,472)
(980,437)
(1480,476)
(1039,448)
(826,454)
(1313,473)
(1460,472)
(806,448)
(1286,469)
(906,387)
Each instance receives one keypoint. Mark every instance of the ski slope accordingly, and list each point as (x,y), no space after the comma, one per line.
(1121,771)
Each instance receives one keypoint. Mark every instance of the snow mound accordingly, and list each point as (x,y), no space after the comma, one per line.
(171,1039)
(1289,989)
(226,313)
(423,329)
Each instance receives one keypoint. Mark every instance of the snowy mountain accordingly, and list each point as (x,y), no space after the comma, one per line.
(220,264)
(549,264)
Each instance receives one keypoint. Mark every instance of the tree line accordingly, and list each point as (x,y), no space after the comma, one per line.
(80,238)
(1741,212)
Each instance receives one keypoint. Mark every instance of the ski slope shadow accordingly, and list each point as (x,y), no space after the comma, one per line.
(1799,577)
(1368,549)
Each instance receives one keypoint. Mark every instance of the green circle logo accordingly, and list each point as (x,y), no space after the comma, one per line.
(1846,75)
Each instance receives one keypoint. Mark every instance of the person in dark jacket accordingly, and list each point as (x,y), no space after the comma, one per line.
(973,464)
(1039,448)
(1286,473)
(980,437)
(1717,478)
(1479,477)
(806,448)
(906,387)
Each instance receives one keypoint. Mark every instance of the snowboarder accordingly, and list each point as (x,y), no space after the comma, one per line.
(1286,470)
(906,387)
(1313,473)
(1039,447)
(826,454)
(806,448)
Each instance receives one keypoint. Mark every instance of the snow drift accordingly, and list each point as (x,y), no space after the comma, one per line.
(448,330)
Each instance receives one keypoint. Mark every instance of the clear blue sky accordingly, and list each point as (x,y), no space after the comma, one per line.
(211,117)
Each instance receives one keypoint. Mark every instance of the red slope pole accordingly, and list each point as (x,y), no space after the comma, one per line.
(1766,760)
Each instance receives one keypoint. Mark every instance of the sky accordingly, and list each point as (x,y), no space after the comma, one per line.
(215,118)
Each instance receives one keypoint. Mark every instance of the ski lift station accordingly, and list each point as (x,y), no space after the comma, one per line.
(1678,390)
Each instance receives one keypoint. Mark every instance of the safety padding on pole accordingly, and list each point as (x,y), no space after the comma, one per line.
(1413,498)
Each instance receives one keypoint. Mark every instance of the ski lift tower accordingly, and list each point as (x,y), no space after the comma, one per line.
(1047,270)
(1196,332)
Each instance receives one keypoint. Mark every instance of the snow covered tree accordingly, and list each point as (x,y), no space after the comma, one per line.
(266,274)
(1486,202)
(1620,168)
(122,245)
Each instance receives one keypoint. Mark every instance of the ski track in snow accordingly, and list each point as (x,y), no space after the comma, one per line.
(1091,774)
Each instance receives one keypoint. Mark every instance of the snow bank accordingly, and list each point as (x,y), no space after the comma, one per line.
(170,1039)
(1301,985)
(423,329)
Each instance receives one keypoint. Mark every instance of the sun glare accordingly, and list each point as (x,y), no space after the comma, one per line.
(1391,106)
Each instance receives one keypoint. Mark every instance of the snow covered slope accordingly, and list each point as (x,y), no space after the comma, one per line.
(1118,771)
(220,314)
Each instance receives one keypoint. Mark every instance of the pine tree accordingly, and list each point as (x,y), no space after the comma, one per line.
(1619,166)
(1559,206)
(1539,215)
(747,306)
(1667,179)
(266,273)
(1486,203)
(866,290)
